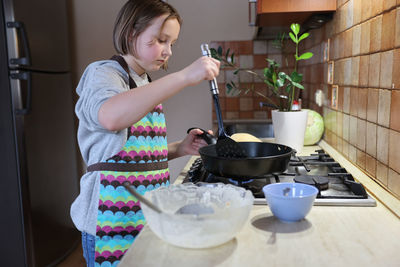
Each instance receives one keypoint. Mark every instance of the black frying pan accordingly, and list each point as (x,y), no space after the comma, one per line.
(263,158)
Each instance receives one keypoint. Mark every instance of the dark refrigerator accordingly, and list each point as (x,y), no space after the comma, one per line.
(39,163)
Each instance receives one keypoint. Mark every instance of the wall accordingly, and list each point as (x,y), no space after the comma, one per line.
(363,43)
(364,39)
(251,55)
(91,31)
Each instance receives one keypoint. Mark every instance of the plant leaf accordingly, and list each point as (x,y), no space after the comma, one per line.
(304,36)
(233,58)
(296,77)
(289,88)
(219,50)
(280,82)
(236,71)
(293,38)
(295,27)
(306,55)
(271,61)
(227,53)
(214,53)
(298,85)
(274,78)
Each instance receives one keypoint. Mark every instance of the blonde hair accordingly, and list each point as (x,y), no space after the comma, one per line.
(133,19)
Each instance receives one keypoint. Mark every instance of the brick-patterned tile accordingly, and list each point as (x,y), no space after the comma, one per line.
(245,47)
(388,29)
(260,61)
(245,77)
(361,134)
(260,47)
(222,89)
(376,8)
(374,70)
(371,139)
(230,76)
(382,144)
(364,70)
(357,7)
(340,98)
(232,104)
(372,107)
(353,101)
(376,32)
(397,30)
(394,111)
(245,104)
(233,46)
(356,44)
(232,115)
(353,131)
(339,124)
(387,4)
(348,42)
(246,114)
(362,103)
(385,78)
(341,44)
(360,159)
(334,48)
(345,149)
(355,70)
(382,172)
(346,127)
(346,100)
(370,165)
(347,74)
(246,61)
(339,144)
(394,182)
(365,36)
(396,68)
(394,148)
(221,77)
(384,107)
(271,49)
(366,9)
(261,115)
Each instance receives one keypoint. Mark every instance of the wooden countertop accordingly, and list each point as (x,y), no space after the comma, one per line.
(329,236)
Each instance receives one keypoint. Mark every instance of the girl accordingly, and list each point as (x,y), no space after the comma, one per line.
(122,133)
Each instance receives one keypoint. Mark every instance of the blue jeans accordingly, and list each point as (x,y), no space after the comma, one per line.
(88,246)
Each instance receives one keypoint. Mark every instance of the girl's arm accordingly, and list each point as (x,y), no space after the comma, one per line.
(125,109)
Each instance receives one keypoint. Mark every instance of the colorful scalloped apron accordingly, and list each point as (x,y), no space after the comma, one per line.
(143,162)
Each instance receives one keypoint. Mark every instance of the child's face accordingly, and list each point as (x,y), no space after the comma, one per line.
(153,46)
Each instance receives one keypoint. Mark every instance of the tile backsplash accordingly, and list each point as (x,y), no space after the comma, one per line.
(362,43)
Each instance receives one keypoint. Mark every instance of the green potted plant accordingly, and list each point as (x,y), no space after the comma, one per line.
(282,89)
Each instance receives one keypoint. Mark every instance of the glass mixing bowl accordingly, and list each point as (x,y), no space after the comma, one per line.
(231,206)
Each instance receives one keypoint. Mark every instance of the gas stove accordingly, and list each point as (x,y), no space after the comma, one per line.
(336,186)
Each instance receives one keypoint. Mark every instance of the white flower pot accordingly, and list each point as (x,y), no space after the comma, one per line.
(290,127)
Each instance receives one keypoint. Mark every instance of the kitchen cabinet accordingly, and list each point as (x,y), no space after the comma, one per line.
(285,12)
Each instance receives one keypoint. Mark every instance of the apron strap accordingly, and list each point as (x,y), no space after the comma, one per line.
(127,167)
(124,65)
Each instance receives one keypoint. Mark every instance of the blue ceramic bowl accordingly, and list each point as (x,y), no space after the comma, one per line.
(290,202)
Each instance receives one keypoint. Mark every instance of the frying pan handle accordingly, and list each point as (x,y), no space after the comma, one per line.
(209,138)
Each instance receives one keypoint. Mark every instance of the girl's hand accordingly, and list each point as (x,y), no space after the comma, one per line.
(192,143)
(188,146)
(204,68)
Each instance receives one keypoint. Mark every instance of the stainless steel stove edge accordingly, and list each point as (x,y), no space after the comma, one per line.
(367,202)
